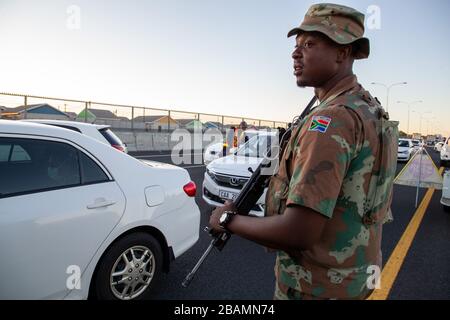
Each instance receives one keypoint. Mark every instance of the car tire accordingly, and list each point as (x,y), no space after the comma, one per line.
(140,274)
(446,208)
(443,163)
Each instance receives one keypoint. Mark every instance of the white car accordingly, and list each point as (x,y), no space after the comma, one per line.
(216,150)
(416,143)
(225,177)
(79,219)
(405,149)
(213,152)
(445,153)
(438,146)
(102,133)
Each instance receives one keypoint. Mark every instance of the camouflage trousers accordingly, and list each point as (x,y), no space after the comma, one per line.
(283,292)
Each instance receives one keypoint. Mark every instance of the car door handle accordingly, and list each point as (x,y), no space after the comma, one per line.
(101,203)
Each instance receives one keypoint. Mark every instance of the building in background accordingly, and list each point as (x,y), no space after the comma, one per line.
(34,111)
(191,124)
(156,123)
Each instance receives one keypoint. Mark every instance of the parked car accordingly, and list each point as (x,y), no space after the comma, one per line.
(79,219)
(445,153)
(405,149)
(102,133)
(438,146)
(225,177)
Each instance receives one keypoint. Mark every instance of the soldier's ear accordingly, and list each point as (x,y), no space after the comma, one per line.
(344,52)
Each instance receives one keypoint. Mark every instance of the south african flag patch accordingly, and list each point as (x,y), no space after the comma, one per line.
(319,124)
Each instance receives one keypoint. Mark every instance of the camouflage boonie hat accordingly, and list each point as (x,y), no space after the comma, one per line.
(343,25)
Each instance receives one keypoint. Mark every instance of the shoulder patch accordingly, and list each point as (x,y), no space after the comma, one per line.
(319,124)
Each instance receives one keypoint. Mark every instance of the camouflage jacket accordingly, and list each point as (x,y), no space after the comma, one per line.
(340,162)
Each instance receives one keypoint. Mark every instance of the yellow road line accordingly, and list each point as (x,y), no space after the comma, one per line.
(392,267)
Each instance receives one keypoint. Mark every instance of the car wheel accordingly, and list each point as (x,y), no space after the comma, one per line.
(129,269)
(446,208)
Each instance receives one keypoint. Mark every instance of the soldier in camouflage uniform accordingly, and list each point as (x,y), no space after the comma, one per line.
(326,206)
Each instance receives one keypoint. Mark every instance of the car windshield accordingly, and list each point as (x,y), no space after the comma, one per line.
(256,147)
(415,142)
(403,143)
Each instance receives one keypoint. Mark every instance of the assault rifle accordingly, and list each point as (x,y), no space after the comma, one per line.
(249,195)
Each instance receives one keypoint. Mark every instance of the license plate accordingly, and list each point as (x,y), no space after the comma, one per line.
(227,195)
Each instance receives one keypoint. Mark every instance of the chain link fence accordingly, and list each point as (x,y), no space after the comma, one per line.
(135,125)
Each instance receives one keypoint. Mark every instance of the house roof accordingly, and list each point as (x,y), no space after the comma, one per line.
(184,122)
(104,114)
(28,107)
(32,107)
(150,118)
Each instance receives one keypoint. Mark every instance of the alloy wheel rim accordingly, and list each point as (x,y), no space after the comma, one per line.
(132,272)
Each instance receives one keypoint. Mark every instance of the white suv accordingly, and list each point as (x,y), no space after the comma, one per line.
(225,177)
(102,133)
(405,149)
(445,153)
(79,219)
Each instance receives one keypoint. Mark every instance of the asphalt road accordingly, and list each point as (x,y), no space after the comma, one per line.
(244,270)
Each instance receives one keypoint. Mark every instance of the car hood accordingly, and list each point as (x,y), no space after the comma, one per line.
(403,149)
(235,165)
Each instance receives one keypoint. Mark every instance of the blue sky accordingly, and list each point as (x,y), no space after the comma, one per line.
(226,57)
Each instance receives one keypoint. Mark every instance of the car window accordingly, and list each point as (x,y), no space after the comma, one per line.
(256,147)
(91,172)
(40,165)
(37,165)
(111,137)
(19,154)
(5,150)
(403,143)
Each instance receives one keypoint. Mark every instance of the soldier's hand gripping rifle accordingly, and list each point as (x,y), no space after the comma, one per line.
(249,195)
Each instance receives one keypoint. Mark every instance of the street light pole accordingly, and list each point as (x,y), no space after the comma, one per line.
(409,109)
(421,114)
(428,124)
(388,89)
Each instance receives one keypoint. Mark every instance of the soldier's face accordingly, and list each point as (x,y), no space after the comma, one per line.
(314,59)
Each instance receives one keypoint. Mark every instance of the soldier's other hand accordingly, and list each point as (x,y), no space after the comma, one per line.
(217,213)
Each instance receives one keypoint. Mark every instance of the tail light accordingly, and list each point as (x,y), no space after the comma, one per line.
(190,189)
(118,147)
